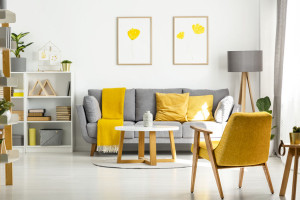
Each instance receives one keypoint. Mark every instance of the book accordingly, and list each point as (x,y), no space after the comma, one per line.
(47,118)
(69,89)
(36,114)
(37,110)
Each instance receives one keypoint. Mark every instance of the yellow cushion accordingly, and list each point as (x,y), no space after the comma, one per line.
(171,107)
(200,108)
(203,150)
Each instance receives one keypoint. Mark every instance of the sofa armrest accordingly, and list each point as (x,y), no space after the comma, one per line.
(83,124)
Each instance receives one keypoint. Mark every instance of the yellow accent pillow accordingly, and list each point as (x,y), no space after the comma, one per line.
(171,107)
(200,108)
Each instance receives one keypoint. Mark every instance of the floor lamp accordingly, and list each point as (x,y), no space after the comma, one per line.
(245,62)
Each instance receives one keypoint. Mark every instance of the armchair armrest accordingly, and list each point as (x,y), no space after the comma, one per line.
(83,123)
(196,128)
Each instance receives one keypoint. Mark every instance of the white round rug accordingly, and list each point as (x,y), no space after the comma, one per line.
(111,162)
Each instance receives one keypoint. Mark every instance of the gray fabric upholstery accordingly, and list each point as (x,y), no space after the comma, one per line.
(92,109)
(145,100)
(217,128)
(92,130)
(129,102)
(83,125)
(163,134)
(218,94)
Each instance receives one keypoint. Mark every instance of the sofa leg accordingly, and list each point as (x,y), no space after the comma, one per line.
(93,149)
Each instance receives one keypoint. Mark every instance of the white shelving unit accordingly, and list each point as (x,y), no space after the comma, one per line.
(59,82)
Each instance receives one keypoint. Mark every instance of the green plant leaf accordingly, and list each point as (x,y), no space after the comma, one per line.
(272,136)
(22,35)
(264,104)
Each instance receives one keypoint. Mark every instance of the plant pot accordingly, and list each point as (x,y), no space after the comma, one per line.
(271,150)
(18,64)
(66,67)
(295,138)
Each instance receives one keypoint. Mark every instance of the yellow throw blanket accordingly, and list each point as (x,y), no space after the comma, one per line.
(112,116)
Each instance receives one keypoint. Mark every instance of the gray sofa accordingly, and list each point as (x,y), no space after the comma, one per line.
(138,101)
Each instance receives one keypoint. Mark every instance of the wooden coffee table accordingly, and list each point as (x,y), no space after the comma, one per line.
(152,141)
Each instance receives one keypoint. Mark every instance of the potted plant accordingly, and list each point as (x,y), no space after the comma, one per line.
(18,64)
(263,105)
(5,113)
(66,64)
(295,135)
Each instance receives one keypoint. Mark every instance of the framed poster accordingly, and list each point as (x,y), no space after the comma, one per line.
(134,40)
(190,40)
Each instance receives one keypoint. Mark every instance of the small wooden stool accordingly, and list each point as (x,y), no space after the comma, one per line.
(294,150)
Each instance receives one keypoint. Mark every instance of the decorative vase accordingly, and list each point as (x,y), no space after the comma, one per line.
(295,138)
(3,4)
(148,119)
(32,137)
(66,67)
(18,64)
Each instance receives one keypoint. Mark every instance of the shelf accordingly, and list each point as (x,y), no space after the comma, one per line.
(17,97)
(54,72)
(56,149)
(49,97)
(49,122)
(57,146)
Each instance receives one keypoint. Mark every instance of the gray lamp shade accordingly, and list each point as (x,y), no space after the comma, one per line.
(245,61)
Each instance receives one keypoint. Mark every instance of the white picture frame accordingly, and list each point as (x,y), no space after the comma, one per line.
(134,40)
(190,40)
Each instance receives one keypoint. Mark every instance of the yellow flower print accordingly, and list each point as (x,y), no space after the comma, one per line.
(180,35)
(133,33)
(198,29)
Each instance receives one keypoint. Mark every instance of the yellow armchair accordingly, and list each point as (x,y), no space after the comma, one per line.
(245,143)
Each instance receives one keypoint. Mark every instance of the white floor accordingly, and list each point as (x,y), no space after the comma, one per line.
(40,176)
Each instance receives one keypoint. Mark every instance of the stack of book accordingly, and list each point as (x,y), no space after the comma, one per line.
(1,92)
(63,113)
(37,115)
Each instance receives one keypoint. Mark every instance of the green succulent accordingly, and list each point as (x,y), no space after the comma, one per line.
(296,129)
(1,141)
(4,106)
(20,44)
(66,61)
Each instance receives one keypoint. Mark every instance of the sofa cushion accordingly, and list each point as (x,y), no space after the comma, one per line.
(200,108)
(162,134)
(216,128)
(218,94)
(92,130)
(129,102)
(171,107)
(92,109)
(224,109)
(145,100)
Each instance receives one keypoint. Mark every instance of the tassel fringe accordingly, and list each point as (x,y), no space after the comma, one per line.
(108,149)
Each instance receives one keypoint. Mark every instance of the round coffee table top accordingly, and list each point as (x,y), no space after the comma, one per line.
(150,128)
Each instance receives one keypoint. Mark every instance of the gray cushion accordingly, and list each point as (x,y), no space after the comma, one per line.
(92,130)
(218,94)
(162,134)
(129,102)
(145,100)
(224,108)
(92,109)
(217,128)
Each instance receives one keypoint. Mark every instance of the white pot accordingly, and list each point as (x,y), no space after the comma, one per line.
(271,150)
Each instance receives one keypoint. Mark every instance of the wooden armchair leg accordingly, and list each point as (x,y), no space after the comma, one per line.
(93,149)
(266,170)
(195,159)
(241,177)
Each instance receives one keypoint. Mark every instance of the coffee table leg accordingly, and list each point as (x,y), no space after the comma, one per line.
(295,174)
(286,173)
(172,143)
(152,137)
(120,147)
(141,144)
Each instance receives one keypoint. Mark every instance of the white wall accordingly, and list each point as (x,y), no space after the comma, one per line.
(85,31)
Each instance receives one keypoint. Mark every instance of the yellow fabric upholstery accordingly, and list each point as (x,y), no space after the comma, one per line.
(171,107)
(203,150)
(200,108)
(245,140)
(112,116)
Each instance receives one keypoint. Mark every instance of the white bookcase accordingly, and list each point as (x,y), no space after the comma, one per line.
(59,82)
